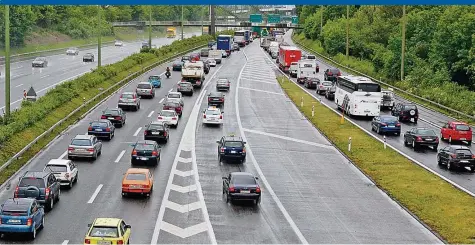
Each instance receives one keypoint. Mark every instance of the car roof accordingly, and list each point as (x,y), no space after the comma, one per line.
(459,123)
(137,170)
(241,174)
(58,162)
(19,201)
(36,174)
(214,93)
(107,222)
(83,137)
(232,138)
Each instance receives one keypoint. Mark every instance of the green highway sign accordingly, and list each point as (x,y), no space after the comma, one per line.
(295,19)
(273,18)
(256,18)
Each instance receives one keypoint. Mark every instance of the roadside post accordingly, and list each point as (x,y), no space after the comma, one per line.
(301,101)
(349,144)
(384,139)
(313,110)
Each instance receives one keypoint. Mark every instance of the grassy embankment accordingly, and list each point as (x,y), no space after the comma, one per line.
(447,210)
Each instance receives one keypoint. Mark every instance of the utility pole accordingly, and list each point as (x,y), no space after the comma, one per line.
(7,63)
(99,36)
(347,31)
(213,21)
(150,28)
(202,17)
(182,36)
(403,45)
(321,22)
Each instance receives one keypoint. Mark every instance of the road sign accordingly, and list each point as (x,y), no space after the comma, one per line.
(295,19)
(256,18)
(264,32)
(273,18)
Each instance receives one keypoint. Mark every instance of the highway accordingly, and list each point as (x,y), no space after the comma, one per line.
(427,118)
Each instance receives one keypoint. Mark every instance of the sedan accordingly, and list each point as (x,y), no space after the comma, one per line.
(40,62)
(241,186)
(331,74)
(456,156)
(174,106)
(170,117)
(215,98)
(185,88)
(157,131)
(146,151)
(236,47)
(386,124)
(322,86)
(211,62)
(88,58)
(418,137)
(101,128)
(137,181)
(175,96)
(84,146)
(223,84)
(116,116)
(118,44)
(72,51)
(177,65)
(311,83)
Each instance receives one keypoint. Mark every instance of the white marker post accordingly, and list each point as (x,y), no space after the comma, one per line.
(384,139)
(313,110)
(301,101)
(349,144)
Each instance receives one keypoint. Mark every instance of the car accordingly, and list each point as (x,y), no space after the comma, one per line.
(155,80)
(322,86)
(236,47)
(137,181)
(293,69)
(169,117)
(118,43)
(204,52)
(89,57)
(145,44)
(157,131)
(21,215)
(330,92)
(231,148)
(154,46)
(456,131)
(87,146)
(386,124)
(195,56)
(405,112)
(177,65)
(146,151)
(206,67)
(456,156)
(64,170)
(185,88)
(173,105)
(115,115)
(331,74)
(185,58)
(211,62)
(216,98)
(175,96)
(39,185)
(129,100)
(108,231)
(311,82)
(223,84)
(212,115)
(418,137)
(72,51)
(241,186)
(101,128)
(145,89)
(40,62)
(224,54)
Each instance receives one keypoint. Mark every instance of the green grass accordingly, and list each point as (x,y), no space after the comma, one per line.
(447,210)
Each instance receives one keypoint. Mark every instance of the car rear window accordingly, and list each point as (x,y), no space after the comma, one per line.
(32,181)
(173,96)
(427,132)
(57,168)
(98,231)
(156,127)
(215,95)
(171,104)
(136,176)
(243,180)
(334,70)
(222,81)
(462,127)
(233,144)
(15,210)
(388,119)
(185,84)
(99,124)
(111,112)
(167,113)
(81,142)
(212,112)
(127,96)
(410,107)
(144,86)
(311,57)
(146,147)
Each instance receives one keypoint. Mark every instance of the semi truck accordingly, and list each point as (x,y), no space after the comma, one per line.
(287,55)
(239,38)
(224,42)
(193,72)
(171,32)
(247,36)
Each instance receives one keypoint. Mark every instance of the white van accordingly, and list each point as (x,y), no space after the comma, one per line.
(305,69)
(293,69)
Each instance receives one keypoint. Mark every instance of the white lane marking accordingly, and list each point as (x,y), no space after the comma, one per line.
(151,113)
(94,195)
(63,155)
(258,169)
(184,173)
(138,131)
(290,139)
(18,67)
(260,81)
(120,156)
(161,100)
(170,90)
(183,208)
(65,242)
(45,76)
(258,90)
(19,85)
(19,75)
(183,189)
(184,233)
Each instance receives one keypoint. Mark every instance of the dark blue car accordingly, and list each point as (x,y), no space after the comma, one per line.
(101,128)
(386,124)
(231,148)
(21,215)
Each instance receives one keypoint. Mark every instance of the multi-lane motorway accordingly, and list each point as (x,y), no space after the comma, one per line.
(311,194)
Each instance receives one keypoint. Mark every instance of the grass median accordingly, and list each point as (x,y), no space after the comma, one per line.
(447,210)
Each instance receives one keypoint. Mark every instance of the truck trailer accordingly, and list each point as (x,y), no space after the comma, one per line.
(287,55)
(224,42)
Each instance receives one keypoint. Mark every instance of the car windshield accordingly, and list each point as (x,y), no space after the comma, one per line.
(154,78)
(410,107)
(327,83)
(156,126)
(98,231)
(174,96)
(111,112)
(167,113)
(215,95)
(81,142)
(32,181)
(243,180)
(144,86)
(212,112)
(39,59)
(136,176)
(99,124)
(57,168)
(462,127)
(388,119)
(144,147)
(427,132)
(233,144)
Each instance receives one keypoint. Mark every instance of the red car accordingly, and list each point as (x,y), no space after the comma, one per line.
(456,131)
(195,57)
(173,105)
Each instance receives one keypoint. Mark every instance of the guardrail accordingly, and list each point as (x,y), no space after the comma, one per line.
(381,82)
(133,75)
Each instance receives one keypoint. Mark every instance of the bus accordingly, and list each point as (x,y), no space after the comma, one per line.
(358,96)
(239,38)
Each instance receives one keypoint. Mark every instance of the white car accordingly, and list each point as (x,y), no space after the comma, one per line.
(72,51)
(169,117)
(175,96)
(211,62)
(64,170)
(213,115)
(118,44)
(293,69)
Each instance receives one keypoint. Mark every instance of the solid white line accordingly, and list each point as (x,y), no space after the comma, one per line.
(65,242)
(120,156)
(94,195)
(138,131)
(151,113)
(45,76)
(161,100)
(258,169)
(258,90)
(63,155)
(290,139)
(260,81)
(19,85)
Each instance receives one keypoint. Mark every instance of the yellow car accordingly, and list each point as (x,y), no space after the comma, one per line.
(108,231)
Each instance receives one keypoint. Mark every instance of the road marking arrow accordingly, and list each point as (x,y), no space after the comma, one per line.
(185,160)
(184,173)
(182,189)
(183,208)
(184,233)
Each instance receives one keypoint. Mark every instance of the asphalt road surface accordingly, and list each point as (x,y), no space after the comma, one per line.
(427,119)
(311,194)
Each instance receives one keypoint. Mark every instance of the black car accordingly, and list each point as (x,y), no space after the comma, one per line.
(185,58)
(418,137)
(146,151)
(405,112)
(311,82)
(236,47)
(241,186)
(88,58)
(331,74)
(177,65)
(185,88)
(223,84)
(43,186)
(40,62)
(216,98)
(456,156)
(156,131)
(231,148)
(116,116)
(330,92)
(206,67)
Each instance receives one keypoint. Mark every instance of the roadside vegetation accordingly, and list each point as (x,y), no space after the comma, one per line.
(440,49)
(445,209)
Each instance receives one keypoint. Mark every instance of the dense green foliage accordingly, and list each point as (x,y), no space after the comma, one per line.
(440,46)
(82,21)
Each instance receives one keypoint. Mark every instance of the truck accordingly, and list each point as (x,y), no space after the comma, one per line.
(247,36)
(287,55)
(193,72)
(273,47)
(171,32)
(305,69)
(224,42)
(239,38)
(387,99)
(216,55)
(279,38)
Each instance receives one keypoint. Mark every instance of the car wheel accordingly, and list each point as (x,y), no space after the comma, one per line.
(258,201)
(405,142)
(439,162)
(398,133)
(42,225)
(449,166)
(415,121)
(94,157)
(70,184)
(33,233)
(472,169)
(136,108)
(59,195)
(469,142)
(76,179)
(51,204)
(414,145)
(70,157)
(378,130)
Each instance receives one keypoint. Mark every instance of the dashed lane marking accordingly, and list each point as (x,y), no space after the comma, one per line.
(94,195)
(138,131)
(263,91)
(120,156)
(151,113)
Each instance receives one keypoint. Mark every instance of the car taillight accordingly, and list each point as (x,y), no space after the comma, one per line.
(151,92)
(29,222)
(220,116)
(103,117)
(398,125)
(473,156)
(165,133)
(339,73)
(118,118)
(17,189)
(108,129)
(243,150)
(209,99)
(258,190)
(120,242)
(231,189)
(90,149)
(47,191)
(159,117)
(222,100)
(400,113)
(87,241)
(154,153)
(453,155)
(437,139)
(89,129)
(222,149)
(70,148)
(418,138)
(125,185)
(173,118)
(134,153)
(145,132)
(204,116)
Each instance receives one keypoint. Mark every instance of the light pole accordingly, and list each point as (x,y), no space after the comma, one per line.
(182,36)
(7,63)
(99,36)
(403,45)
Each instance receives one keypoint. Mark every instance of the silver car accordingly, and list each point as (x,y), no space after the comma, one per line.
(185,88)
(87,146)
(72,51)
(129,100)
(223,84)
(145,89)
(175,96)
(322,86)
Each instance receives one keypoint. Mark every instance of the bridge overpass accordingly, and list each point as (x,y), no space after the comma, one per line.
(142,24)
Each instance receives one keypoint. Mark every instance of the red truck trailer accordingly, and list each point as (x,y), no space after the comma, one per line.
(287,55)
